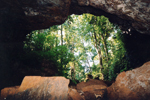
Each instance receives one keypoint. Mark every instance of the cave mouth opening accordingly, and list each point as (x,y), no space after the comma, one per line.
(131,51)
(83,45)
(18,18)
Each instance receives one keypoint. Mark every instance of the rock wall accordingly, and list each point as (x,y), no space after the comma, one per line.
(39,14)
(137,12)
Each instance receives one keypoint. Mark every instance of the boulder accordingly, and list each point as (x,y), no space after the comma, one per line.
(89,96)
(93,87)
(81,85)
(131,85)
(39,88)
(8,91)
(74,95)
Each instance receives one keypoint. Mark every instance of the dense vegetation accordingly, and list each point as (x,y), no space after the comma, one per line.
(84,44)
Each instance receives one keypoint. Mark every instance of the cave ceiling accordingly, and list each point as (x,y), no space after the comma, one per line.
(41,14)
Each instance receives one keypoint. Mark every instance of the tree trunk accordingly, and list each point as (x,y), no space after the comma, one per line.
(61,45)
(98,49)
(100,60)
(56,40)
(61,35)
(105,47)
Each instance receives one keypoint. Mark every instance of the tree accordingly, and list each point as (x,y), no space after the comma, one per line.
(97,30)
(44,44)
(84,44)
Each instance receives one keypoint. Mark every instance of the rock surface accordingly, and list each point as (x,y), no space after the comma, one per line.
(36,14)
(74,95)
(54,88)
(93,89)
(131,85)
(137,12)
(39,14)
(8,91)
(38,88)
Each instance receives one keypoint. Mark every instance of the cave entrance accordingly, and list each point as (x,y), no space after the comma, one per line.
(84,51)
(83,45)
(76,49)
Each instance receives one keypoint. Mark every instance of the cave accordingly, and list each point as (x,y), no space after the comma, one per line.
(18,18)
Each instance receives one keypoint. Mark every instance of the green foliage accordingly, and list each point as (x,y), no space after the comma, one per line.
(100,32)
(120,61)
(84,44)
(39,46)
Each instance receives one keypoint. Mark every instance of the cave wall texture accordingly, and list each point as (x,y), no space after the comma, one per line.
(20,17)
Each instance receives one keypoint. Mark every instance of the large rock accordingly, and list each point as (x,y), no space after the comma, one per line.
(39,88)
(82,85)
(131,85)
(8,91)
(92,89)
(38,14)
(74,95)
